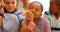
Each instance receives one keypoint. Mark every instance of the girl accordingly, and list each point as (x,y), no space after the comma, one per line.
(10,21)
(33,21)
(11,8)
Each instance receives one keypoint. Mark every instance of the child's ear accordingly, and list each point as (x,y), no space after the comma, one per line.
(41,14)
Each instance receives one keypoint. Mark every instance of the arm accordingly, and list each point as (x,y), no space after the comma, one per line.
(47,26)
(28,24)
(27,28)
(1,21)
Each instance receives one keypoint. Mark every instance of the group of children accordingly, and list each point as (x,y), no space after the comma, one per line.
(54,15)
(30,20)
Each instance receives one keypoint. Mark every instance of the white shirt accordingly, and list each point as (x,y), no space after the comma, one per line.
(10,23)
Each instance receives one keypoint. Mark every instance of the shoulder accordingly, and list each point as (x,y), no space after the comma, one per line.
(10,17)
(20,10)
(45,20)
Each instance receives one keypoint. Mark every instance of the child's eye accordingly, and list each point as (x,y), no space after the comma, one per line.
(7,3)
(13,2)
(37,9)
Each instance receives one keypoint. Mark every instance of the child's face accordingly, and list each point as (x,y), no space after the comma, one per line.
(53,7)
(36,10)
(1,7)
(10,5)
(26,4)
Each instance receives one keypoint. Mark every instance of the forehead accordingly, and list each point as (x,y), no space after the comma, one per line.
(25,0)
(9,0)
(35,5)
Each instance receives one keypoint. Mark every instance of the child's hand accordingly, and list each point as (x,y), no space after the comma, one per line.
(31,26)
(29,15)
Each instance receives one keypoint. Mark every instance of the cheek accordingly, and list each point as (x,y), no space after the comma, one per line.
(39,14)
(14,5)
(7,7)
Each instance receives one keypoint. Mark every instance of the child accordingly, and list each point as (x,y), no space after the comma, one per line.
(33,21)
(10,21)
(54,15)
(11,7)
(1,15)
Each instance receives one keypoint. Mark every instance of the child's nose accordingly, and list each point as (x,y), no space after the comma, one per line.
(33,10)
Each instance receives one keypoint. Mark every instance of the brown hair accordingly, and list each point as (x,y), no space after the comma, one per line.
(57,2)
